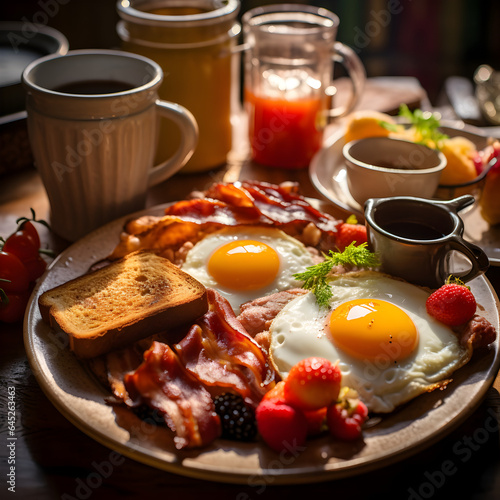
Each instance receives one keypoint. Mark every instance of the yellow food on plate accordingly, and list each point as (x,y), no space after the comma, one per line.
(377,328)
(489,202)
(460,166)
(366,123)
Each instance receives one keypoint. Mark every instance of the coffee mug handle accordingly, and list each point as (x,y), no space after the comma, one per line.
(476,255)
(357,74)
(189,139)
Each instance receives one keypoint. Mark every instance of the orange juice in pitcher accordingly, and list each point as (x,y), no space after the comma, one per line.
(193,44)
(289,59)
(285,131)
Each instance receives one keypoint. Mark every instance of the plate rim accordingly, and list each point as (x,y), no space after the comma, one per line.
(214,473)
(313,173)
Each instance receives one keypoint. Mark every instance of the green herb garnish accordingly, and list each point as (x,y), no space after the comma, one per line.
(424,123)
(315,277)
(391,127)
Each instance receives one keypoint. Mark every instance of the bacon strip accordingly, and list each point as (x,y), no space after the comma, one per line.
(283,205)
(162,383)
(215,211)
(164,234)
(118,364)
(252,202)
(220,353)
(242,203)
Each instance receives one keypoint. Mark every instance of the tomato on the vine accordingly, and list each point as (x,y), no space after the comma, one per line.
(14,277)
(31,233)
(20,266)
(25,244)
(35,267)
(20,244)
(14,287)
(13,310)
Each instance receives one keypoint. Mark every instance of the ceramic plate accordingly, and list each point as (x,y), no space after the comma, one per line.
(328,175)
(79,396)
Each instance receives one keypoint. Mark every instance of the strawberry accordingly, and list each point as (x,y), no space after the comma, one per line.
(276,393)
(281,426)
(316,421)
(345,419)
(350,231)
(453,304)
(312,384)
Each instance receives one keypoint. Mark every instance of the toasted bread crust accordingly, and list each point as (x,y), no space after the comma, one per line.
(130,299)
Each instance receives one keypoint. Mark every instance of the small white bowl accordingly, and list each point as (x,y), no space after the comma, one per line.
(381,167)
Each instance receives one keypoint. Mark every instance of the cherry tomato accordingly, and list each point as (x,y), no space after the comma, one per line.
(345,419)
(14,310)
(25,246)
(15,272)
(31,233)
(35,268)
(20,266)
(22,245)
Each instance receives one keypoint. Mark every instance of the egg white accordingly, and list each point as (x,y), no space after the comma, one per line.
(293,256)
(300,330)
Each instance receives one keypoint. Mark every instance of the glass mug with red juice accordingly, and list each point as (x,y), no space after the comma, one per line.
(290,53)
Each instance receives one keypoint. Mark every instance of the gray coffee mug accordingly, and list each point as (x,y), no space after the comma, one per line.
(93,118)
(416,238)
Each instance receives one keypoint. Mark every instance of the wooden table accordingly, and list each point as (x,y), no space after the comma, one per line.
(56,460)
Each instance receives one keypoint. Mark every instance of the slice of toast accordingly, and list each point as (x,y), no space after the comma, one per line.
(130,299)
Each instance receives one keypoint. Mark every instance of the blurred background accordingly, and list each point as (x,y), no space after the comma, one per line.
(428,39)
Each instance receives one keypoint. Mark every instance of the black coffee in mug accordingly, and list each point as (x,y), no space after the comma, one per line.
(93,87)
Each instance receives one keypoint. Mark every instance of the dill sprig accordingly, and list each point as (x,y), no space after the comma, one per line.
(315,277)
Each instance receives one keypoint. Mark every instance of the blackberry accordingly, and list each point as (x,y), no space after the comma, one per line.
(237,419)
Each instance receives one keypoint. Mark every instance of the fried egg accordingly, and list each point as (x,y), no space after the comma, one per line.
(244,263)
(388,348)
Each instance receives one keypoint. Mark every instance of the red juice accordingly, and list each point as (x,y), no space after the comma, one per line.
(284,133)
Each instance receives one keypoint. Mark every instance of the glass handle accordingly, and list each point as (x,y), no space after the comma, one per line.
(357,74)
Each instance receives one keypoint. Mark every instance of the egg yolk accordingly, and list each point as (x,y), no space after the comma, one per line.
(373,329)
(244,265)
